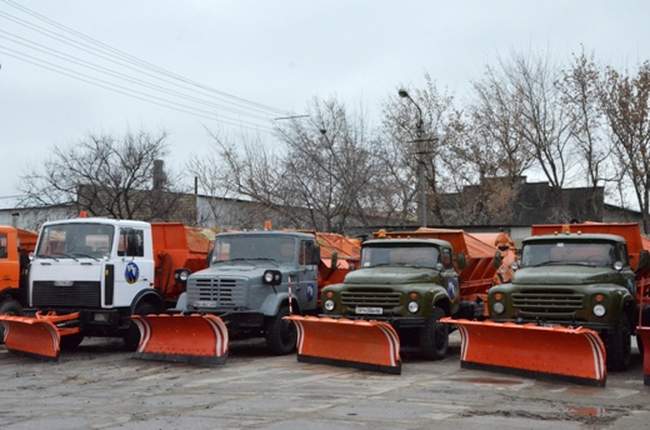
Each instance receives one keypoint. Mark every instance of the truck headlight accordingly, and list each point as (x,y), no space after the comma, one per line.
(329,305)
(413,307)
(498,308)
(272,277)
(599,310)
(182,275)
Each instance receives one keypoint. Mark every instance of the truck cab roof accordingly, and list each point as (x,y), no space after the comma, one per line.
(575,236)
(295,234)
(100,220)
(397,242)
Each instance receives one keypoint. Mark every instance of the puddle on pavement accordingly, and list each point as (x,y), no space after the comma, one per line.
(587,411)
(487,380)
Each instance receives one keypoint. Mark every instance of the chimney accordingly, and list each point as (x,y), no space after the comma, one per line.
(158,175)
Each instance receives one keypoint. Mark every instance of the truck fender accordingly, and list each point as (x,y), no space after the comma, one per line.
(181,303)
(441,300)
(148,295)
(273,302)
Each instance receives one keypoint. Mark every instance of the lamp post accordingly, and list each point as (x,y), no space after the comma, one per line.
(421,150)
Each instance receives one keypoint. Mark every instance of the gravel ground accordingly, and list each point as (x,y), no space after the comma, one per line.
(100,386)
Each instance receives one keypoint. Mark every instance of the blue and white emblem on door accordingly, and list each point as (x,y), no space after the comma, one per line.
(452,287)
(131,273)
(310,292)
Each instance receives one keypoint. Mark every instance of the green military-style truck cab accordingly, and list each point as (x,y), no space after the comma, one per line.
(410,283)
(574,279)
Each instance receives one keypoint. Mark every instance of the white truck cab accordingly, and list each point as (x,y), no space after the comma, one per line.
(102,268)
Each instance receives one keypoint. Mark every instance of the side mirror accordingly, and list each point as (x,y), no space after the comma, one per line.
(644,261)
(498,260)
(335,260)
(461,262)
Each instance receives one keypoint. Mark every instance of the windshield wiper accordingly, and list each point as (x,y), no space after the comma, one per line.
(48,256)
(82,254)
(562,263)
(248,259)
(65,255)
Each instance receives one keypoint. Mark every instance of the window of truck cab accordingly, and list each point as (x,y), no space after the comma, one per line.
(597,253)
(254,247)
(400,254)
(131,242)
(3,245)
(76,240)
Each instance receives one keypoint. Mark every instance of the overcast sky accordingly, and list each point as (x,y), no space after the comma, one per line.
(279,54)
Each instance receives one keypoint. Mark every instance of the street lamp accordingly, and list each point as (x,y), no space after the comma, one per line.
(421,150)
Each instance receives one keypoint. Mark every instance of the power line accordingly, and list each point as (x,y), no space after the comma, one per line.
(128,60)
(117,89)
(19,40)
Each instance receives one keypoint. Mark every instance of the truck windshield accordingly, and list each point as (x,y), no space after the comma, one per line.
(250,248)
(568,252)
(76,240)
(419,256)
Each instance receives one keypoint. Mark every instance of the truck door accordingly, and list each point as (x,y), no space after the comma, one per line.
(8,262)
(307,275)
(133,266)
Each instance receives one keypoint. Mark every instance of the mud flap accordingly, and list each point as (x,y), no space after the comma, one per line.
(197,339)
(371,345)
(644,334)
(571,354)
(38,336)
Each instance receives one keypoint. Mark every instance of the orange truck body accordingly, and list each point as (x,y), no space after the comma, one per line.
(16,245)
(177,246)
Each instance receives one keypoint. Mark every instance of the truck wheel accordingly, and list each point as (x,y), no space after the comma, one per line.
(132,336)
(281,335)
(618,346)
(10,307)
(434,337)
(71,342)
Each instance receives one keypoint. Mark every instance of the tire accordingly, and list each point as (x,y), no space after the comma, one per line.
(434,338)
(618,345)
(281,335)
(132,336)
(71,342)
(11,307)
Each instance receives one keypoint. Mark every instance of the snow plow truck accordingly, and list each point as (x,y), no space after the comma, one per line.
(255,279)
(407,282)
(88,276)
(15,247)
(571,308)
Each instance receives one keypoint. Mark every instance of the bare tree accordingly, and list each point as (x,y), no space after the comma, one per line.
(580,87)
(319,176)
(626,102)
(105,176)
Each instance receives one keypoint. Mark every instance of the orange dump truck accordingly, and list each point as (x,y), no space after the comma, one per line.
(89,275)
(15,247)
(407,282)
(571,308)
(254,280)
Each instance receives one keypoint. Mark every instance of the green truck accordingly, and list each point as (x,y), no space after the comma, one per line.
(584,276)
(411,281)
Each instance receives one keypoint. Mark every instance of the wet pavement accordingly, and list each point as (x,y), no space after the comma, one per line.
(101,387)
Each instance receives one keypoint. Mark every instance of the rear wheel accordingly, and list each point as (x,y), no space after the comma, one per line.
(619,347)
(434,337)
(281,335)
(132,336)
(10,307)
(71,342)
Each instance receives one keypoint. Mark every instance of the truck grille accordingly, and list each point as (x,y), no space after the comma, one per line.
(384,299)
(547,302)
(226,292)
(81,294)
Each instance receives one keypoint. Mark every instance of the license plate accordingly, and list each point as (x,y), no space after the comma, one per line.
(205,304)
(363,310)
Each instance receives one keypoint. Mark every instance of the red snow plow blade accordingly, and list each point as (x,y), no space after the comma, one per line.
(201,339)
(38,336)
(644,334)
(371,345)
(572,354)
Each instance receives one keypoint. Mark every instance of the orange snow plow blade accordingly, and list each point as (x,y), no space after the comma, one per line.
(371,345)
(572,354)
(644,334)
(38,336)
(200,339)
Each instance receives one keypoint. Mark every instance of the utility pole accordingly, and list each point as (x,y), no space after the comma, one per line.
(420,143)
